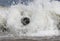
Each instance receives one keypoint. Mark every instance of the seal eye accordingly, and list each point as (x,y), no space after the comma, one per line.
(25,21)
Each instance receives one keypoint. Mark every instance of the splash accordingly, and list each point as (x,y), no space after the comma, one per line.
(43,15)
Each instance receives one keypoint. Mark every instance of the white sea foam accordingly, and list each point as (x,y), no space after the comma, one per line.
(41,14)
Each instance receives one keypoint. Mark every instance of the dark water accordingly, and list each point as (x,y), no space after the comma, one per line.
(7,2)
(10,2)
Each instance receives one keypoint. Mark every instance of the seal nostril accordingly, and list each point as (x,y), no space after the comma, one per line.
(25,21)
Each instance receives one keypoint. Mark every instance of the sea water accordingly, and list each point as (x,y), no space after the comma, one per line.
(43,15)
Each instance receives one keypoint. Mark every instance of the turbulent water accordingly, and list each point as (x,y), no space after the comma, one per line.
(44,17)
